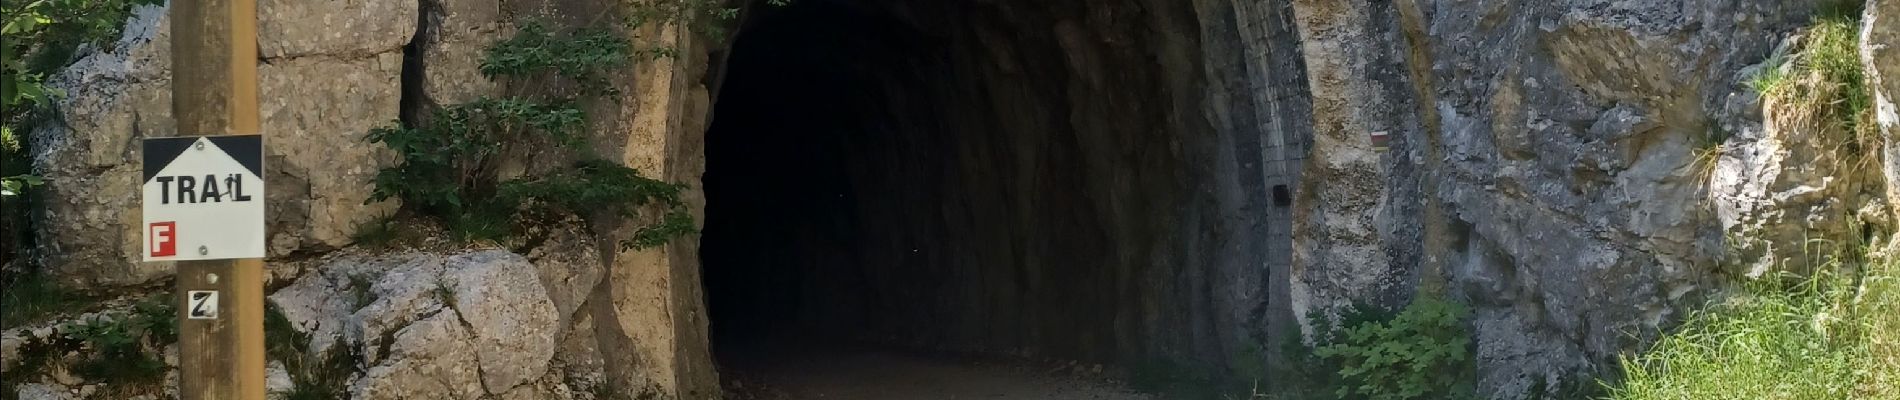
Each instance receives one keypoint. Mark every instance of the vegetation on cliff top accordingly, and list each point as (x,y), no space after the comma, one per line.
(1824,88)
(1832,334)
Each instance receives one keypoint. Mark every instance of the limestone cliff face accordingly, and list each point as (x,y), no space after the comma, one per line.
(1544,166)
(331,71)
(1129,181)
(1880,53)
(319,94)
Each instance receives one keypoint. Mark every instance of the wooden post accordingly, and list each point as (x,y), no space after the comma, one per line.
(214,92)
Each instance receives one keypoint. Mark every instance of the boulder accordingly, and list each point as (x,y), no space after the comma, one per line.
(464,325)
(513,322)
(431,358)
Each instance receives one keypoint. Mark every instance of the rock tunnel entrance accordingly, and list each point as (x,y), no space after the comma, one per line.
(1025,180)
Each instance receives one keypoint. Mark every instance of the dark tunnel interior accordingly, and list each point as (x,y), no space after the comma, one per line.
(782,213)
(968,177)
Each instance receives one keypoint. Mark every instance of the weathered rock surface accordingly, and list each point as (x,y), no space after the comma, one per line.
(1788,185)
(456,35)
(1542,160)
(508,312)
(319,166)
(1094,181)
(1880,54)
(462,326)
(338,29)
(89,160)
(431,358)
(322,89)
(569,266)
(43,391)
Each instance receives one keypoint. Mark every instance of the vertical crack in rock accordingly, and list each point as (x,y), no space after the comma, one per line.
(413,101)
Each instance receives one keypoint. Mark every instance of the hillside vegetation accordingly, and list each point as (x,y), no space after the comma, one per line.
(1834,334)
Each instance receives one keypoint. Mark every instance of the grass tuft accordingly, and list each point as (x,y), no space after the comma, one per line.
(1822,89)
(1834,334)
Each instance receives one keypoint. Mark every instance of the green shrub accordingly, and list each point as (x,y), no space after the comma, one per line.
(1424,352)
(450,161)
(535,52)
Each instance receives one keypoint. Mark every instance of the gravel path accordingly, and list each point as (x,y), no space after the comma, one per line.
(869,374)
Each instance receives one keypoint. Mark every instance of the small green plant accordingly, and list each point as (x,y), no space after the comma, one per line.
(536,52)
(447,295)
(1304,375)
(122,349)
(1422,353)
(323,376)
(1709,147)
(451,161)
(449,164)
(1823,87)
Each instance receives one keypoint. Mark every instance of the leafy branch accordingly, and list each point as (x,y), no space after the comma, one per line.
(451,161)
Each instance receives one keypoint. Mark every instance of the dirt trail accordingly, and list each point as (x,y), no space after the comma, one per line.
(870,374)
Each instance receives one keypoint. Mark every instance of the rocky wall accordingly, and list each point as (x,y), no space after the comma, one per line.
(1542,166)
(329,73)
(1880,53)
(321,91)
(1075,179)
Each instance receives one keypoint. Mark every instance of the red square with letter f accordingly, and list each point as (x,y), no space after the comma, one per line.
(162,238)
